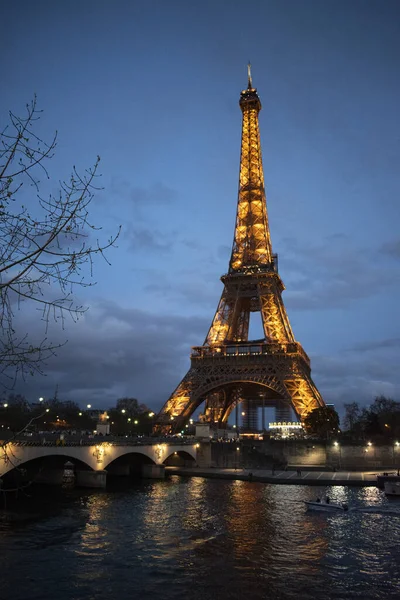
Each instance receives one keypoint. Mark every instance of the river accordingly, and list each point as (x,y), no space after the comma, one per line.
(200,539)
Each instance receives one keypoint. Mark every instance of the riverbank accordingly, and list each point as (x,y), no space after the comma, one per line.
(297,477)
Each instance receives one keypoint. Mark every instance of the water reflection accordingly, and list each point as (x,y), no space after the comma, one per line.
(206,539)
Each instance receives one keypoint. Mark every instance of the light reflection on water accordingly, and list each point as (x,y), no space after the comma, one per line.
(204,540)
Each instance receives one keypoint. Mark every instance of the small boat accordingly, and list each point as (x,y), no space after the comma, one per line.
(326,506)
(385,478)
(392,488)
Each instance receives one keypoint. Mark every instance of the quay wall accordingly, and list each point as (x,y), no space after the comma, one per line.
(303,453)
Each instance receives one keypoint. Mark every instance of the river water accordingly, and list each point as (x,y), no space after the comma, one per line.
(200,539)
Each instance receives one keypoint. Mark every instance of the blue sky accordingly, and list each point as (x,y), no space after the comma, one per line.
(153,88)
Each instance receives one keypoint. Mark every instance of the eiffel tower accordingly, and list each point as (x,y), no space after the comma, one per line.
(229,368)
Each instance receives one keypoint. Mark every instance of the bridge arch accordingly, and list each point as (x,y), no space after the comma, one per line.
(14,456)
(181,458)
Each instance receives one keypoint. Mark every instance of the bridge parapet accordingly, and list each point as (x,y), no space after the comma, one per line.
(96,455)
(55,440)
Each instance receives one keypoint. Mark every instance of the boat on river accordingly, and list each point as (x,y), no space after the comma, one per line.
(392,488)
(326,506)
(383,478)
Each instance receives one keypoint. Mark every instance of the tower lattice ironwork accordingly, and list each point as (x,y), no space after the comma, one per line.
(229,368)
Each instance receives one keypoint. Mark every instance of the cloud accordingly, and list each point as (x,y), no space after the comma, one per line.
(391,248)
(332,274)
(114,351)
(348,377)
(375,346)
(146,239)
(192,293)
(141,201)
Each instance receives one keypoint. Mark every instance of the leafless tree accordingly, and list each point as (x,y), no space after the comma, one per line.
(45,241)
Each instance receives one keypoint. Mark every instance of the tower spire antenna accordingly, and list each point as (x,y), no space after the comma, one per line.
(249,80)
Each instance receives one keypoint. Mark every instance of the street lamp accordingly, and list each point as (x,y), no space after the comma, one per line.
(236,457)
(89,406)
(395,447)
(338,447)
(41,399)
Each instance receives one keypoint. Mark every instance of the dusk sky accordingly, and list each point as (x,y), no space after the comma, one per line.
(153,88)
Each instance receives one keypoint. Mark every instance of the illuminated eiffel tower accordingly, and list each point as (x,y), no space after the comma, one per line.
(229,368)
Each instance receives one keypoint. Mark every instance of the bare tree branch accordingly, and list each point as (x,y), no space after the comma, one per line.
(44,242)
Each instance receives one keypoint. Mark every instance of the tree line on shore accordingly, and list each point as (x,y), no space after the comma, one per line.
(127,417)
(379,421)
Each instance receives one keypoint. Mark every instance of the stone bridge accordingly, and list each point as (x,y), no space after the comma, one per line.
(93,460)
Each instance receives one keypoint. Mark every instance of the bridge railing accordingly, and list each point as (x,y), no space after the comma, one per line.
(43,440)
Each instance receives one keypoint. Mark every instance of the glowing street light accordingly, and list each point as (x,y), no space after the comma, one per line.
(89,406)
(151,414)
(41,399)
(123,411)
(135,422)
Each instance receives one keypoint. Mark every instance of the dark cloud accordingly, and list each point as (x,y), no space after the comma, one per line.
(332,274)
(155,194)
(191,293)
(146,239)
(375,346)
(114,351)
(126,204)
(349,377)
(391,248)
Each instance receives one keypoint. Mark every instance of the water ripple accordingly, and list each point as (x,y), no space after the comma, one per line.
(204,540)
